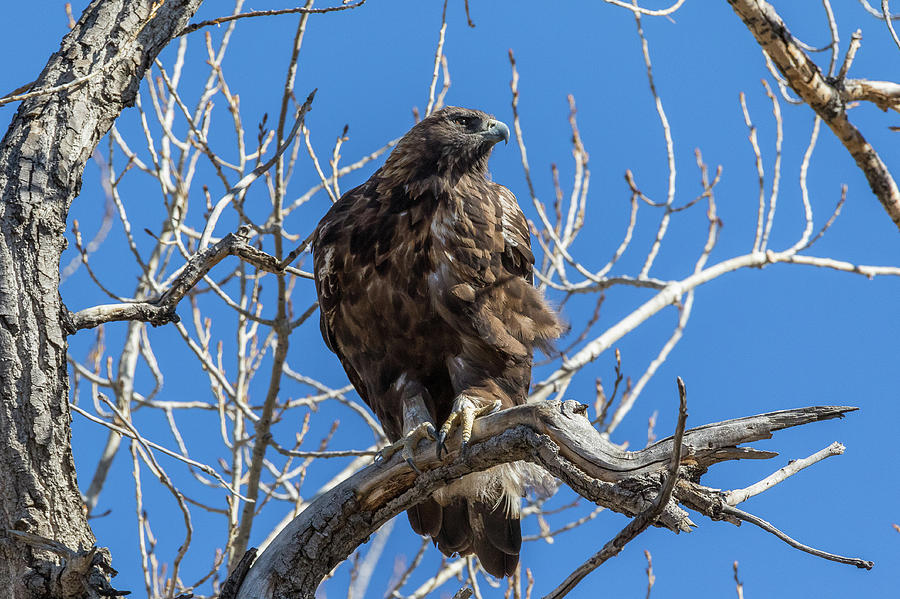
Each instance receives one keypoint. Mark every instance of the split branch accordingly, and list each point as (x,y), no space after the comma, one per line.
(556,435)
(644,520)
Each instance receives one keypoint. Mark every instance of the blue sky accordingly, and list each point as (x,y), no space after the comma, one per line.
(758,340)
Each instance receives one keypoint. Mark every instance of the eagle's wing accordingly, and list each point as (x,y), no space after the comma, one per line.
(483,289)
(517,257)
(329,268)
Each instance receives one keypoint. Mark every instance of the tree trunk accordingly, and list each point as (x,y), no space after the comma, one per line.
(42,157)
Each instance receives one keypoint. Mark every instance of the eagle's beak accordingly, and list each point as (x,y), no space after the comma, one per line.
(495,131)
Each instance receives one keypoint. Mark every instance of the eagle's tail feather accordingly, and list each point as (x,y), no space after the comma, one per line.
(468,525)
(501,529)
(498,538)
(426,517)
(479,513)
(455,535)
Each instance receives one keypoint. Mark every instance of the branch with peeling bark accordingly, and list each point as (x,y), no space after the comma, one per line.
(826,96)
(645,518)
(556,435)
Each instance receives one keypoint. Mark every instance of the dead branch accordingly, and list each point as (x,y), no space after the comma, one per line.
(644,519)
(558,436)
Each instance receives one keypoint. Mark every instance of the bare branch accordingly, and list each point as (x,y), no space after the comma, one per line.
(823,97)
(645,519)
(740,495)
(738,585)
(162,310)
(124,49)
(886,15)
(556,435)
(637,10)
(245,182)
(438,55)
(131,434)
(651,578)
(671,293)
(747,517)
(267,13)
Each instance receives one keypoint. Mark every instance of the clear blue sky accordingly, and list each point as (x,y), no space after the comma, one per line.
(758,340)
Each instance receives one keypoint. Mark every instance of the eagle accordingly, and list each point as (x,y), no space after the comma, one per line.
(425,287)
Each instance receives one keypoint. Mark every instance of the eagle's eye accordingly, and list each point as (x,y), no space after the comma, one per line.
(465,121)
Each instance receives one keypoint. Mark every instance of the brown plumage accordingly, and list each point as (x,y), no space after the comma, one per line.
(424,278)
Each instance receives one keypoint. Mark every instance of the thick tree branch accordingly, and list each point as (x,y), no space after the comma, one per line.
(556,435)
(825,96)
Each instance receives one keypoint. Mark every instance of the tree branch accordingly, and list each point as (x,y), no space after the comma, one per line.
(644,519)
(162,310)
(79,93)
(746,517)
(827,97)
(556,435)
(267,13)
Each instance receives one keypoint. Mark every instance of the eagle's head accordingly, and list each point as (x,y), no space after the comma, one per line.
(443,147)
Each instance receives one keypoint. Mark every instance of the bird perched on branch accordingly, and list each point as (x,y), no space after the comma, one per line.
(424,279)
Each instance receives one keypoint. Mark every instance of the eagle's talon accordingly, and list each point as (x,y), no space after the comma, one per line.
(406,445)
(464,412)
(439,444)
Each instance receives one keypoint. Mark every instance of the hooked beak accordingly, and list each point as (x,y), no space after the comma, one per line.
(495,131)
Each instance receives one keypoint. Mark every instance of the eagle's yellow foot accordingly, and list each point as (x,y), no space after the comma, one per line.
(464,413)
(407,445)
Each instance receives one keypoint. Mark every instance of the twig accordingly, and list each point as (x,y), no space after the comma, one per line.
(637,10)
(670,149)
(795,466)
(172,454)
(162,310)
(245,182)
(164,478)
(672,292)
(739,586)
(776,169)
(437,60)
(123,49)
(319,171)
(855,42)
(747,517)
(886,14)
(267,13)
(760,174)
(651,578)
(823,97)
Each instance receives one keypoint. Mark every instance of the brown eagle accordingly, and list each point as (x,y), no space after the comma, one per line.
(424,278)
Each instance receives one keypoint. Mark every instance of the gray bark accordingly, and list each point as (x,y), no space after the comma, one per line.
(554,434)
(42,157)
